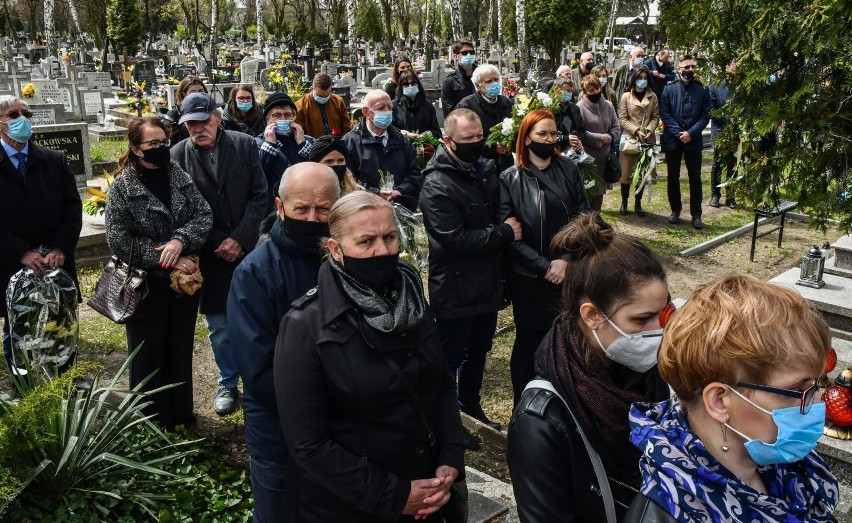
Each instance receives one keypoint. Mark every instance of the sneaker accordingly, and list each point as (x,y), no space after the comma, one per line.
(674,218)
(226,401)
(696,223)
(714,201)
(731,203)
(470,442)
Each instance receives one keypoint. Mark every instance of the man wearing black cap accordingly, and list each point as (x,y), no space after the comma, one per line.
(282,144)
(225,167)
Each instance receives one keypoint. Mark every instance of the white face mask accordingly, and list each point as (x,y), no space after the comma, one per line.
(636,351)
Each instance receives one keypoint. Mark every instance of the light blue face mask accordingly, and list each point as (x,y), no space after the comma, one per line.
(20,129)
(797,434)
(410,91)
(322,100)
(604,80)
(382,119)
(282,126)
(566,97)
(245,106)
(641,84)
(467,60)
(493,89)
(639,61)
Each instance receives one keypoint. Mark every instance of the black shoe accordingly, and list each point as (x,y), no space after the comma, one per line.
(697,224)
(226,401)
(479,415)
(623,210)
(674,218)
(639,210)
(731,203)
(714,201)
(470,442)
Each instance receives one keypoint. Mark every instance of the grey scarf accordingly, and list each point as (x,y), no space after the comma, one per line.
(398,311)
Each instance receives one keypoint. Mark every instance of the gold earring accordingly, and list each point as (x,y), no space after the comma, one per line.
(725,435)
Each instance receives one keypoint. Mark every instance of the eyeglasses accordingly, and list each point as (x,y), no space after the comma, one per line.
(688,66)
(553,135)
(465,53)
(282,116)
(156,144)
(805,396)
(244,98)
(408,84)
(17,114)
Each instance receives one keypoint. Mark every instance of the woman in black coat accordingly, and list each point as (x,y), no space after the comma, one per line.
(352,358)
(400,66)
(412,112)
(569,121)
(615,287)
(242,112)
(154,205)
(535,274)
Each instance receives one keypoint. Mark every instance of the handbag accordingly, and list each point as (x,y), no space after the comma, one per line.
(612,172)
(630,145)
(121,289)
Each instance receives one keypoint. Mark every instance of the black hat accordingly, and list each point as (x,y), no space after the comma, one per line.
(324,145)
(197,107)
(276,99)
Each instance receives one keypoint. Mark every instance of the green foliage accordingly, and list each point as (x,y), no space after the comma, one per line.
(368,21)
(125,24)
(571,17)
(792,80)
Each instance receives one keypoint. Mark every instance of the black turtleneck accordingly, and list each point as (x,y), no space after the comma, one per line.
(158,182)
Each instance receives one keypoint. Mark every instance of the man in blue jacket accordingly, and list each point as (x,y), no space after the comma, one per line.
(661,71)
(276,272)
(685,110)
(723,157)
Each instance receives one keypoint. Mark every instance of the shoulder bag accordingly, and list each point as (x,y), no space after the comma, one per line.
(612,172)
(630,145)
(597,464)
(121,289)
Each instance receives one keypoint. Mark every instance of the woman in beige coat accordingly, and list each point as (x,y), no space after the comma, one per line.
(639,115)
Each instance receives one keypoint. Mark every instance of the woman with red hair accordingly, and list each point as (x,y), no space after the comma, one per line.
(544,191)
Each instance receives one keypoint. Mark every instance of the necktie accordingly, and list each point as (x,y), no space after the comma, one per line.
(22,162)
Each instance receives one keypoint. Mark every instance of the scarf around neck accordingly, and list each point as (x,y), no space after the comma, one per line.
(679,475)
(398,310)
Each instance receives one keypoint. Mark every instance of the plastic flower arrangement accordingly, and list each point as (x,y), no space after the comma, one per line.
(29,90)
(138,102)
(506,132)
(96,202)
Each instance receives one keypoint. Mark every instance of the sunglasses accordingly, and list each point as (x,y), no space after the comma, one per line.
(408,84)
(17,114)
(465,53)
(806,397)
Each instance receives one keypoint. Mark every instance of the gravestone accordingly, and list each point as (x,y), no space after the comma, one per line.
(91,103)
(100,81)
(47,91)
(248,70)
(72,139)
(47,114)
(146,71)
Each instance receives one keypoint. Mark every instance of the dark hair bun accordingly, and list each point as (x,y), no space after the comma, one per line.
(584,236)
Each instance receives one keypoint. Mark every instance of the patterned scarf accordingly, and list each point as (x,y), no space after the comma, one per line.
(682,477)
(399,310)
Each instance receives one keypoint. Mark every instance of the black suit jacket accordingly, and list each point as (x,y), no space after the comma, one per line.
(41,208)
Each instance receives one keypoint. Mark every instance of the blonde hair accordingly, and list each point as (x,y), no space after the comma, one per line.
(740,329)
(589,82)
(350,205)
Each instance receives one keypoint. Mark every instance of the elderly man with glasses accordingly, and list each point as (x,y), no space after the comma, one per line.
(40,209)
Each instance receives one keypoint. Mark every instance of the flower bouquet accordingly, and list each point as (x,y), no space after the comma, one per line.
(96,202)
(510,88)
(386,181)
(413,241)
(42,321)
(29,90)
(506,132)
(588,170)
(641,175)
(424,144)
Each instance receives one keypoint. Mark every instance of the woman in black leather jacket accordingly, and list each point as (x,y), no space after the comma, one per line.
(535,275)
(600,357)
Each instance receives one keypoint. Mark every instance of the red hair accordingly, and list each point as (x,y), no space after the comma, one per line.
(529,121)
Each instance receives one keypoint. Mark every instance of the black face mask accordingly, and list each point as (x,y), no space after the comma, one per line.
(375,272)
(305,233)
(595,98)
(687,75)
(159,156)
(469,152)
(339,170)
(541,149)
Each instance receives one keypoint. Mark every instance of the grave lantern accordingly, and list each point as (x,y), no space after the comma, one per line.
(812,266)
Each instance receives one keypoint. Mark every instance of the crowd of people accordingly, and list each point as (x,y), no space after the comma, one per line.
(353,380)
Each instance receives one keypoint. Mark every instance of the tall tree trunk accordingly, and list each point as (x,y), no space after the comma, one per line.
(258,6)
(350,23)
(429,34)
(386,14)
(500,40)
(48,26)
(523,49)
(455,19)
(490,20)
(75,18)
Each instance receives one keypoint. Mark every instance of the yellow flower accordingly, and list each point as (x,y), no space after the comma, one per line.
(28,91)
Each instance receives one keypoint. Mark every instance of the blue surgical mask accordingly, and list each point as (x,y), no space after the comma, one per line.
(603,80)
(410,91)
(467,60)
(245,106)
(282,126)
(641,84)
(797,434)
(639,61)
(566,97)
(322,100)
(382,119)
(493,89)
(636,351)
(20,129)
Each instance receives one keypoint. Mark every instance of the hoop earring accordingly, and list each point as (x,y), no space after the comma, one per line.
(725,436)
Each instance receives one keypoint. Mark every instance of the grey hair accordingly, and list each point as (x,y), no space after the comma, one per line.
(316,170)
(8,100)
(484,69)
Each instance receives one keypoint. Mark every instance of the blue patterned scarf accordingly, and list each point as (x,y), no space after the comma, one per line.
(679,475)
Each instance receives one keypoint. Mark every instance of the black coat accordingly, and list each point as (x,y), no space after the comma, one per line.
(355,439)
(250,126)
(552,474)
(465,239)
(569,120)
(237,196)
(457,85)
(418,116)
(643,510)
(43,208)
(522,196)
(179,132)
(490,114)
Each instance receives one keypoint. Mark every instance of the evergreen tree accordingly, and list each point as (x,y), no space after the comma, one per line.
(125,25)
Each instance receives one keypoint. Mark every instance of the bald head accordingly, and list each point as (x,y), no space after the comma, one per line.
(307,191)
(375,97)
(637,52)
(376,100)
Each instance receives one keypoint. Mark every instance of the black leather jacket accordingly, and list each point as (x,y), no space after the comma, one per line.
(522,196)
(456,86)
(643,510)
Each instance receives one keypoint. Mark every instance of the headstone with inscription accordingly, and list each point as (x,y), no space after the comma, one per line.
(146,71)
(91,102)
(248,70)
(73,140)
(47,114)
(101,81)
(47,91)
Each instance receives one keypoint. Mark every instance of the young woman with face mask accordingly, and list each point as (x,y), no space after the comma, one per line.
(737,443)
(243,113)
(600,357)
(412,112)
(154,208)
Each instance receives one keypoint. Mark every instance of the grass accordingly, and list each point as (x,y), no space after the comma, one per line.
(108,150)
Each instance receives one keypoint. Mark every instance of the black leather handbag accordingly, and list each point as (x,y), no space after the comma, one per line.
(121,289)
(612,172)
